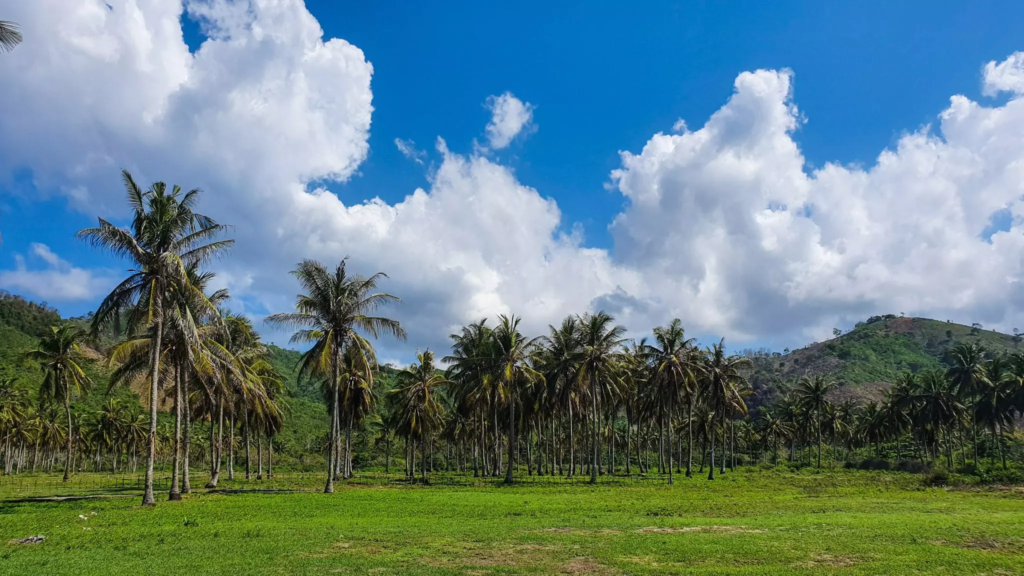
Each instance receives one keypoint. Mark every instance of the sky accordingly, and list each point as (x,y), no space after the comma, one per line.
(765,172)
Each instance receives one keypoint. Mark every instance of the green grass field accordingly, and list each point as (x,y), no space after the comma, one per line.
(744,523)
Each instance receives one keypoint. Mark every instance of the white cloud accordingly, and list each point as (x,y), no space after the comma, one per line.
(510,117)
(1005,76)
(726,220)
(59,281)
(725,228)
(409,150)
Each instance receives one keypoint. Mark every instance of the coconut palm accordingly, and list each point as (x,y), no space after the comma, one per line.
(812,395)
(418,409)
(601,343)
(165,239)
(329,315)
(59,355)
(722,386)
(674,376)
(558,361)
(511,368)
(967,376)
(10,36)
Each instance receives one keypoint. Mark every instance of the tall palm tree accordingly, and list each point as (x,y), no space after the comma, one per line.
(418,410)
(722,388)
(511,367)
(329,315)
(967,375)
(812,394)
(674,375)
(559,362)
(59,355)
(601,342)
(165,239)
(10,36)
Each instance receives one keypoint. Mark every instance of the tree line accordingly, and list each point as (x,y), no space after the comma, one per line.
(583,399)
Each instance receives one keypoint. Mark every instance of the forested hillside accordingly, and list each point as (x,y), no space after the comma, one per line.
(871,356)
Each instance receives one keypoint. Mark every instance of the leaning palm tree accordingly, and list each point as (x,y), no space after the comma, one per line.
(329,315)
(601,343)
(59,356)
(10,36)
(165,239)
(812,395)
(722,388)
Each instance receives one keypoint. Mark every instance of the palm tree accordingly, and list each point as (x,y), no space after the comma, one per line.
(418,411)
(601,343)
(559,362)
(10,36)
(165,239)
(967,375)
(674,375)
(511,369)
(58,355)
(722,387)
(335,307)
(812,395)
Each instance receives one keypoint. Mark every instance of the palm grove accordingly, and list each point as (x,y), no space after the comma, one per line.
(582,400)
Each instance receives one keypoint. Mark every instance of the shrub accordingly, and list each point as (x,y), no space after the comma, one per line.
(913,466)
(936,478)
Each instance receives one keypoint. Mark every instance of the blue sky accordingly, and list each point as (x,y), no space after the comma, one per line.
(601,79)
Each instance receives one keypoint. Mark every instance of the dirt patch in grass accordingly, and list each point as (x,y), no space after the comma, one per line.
(492,555)
(585,565)
(684,529)
(1000,545)
(829,560)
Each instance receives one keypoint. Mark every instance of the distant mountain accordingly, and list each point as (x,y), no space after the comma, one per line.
(869,357)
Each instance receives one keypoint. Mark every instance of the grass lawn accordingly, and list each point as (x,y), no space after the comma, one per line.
(743,523)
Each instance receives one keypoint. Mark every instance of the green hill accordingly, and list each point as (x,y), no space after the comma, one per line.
(867,358)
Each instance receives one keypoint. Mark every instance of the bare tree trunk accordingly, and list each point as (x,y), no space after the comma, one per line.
(187,481)
(712,432)
(689,434)
(259,455)
(216,447)
(572,445)
(329,488)
(148,498)
(175,493)
(248,454)
(71,432)
(511,438)
(231,446)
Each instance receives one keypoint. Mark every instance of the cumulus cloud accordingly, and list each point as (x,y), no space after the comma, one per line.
(510,117)
(728,220)
(725,226)
(409,150)
(1005,76)
(57,281)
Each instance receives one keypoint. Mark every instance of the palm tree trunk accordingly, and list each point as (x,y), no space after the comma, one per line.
(423,455)
(67,411)
(186,487)
(817,425)
(712,432)
(511,438)
(348,448)
(329,488)
(175,493)
(670,450)
(270,457)
(216,447)
(259,455)
(689,434)
(572,445)
(148,498)
(231,446)
(593,433)
(248,455)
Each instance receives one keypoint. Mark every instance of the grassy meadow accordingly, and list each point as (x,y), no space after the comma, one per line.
(746,522)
